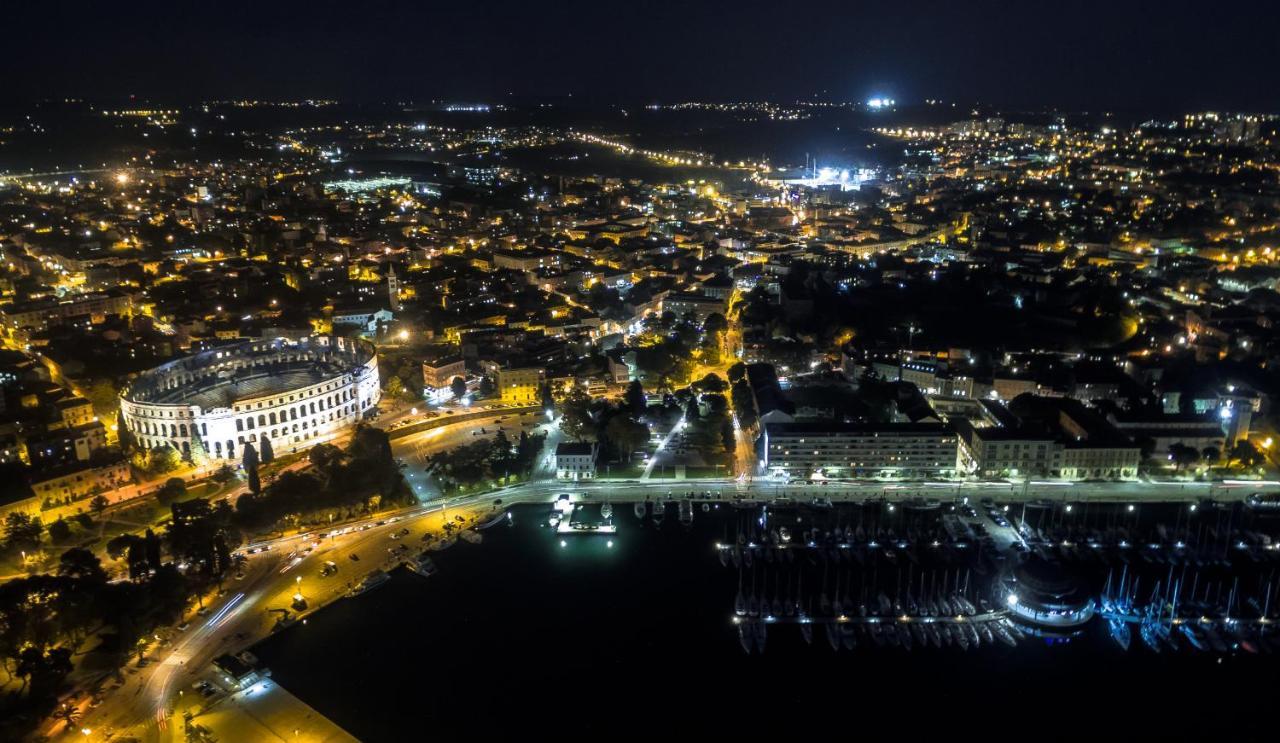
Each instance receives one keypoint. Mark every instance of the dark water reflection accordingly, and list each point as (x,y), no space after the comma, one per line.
(520,635)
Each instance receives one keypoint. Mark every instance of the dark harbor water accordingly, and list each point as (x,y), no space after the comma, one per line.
(586,641)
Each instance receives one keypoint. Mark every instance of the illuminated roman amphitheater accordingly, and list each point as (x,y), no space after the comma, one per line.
(297,393)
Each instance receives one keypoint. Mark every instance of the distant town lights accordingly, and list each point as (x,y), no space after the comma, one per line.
(880,102)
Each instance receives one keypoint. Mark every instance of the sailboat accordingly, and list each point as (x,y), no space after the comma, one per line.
(746,637)
(1120,632)
(1194,636)
(833,635)
(846,635)
(1149,637)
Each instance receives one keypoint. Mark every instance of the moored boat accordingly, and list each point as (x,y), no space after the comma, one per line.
(370,582)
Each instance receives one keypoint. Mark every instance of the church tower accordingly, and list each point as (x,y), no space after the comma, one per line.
(393,290)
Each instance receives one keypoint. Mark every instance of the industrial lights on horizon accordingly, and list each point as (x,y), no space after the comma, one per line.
(880,102)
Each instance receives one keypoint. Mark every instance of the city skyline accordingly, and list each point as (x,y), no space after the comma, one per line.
(386,371)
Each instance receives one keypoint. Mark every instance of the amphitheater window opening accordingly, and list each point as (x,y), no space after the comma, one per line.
(173,431)
(273,419)
(253,438)
(204,429)
(182,429)
(239,425)
(186,449)
(231,449)
(249,423)
(262,420)
(217,447)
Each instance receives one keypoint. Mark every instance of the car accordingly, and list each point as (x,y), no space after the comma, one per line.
(404,531)
(354,557)
(183,627)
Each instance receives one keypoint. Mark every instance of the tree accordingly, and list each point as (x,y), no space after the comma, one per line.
(249,459)
(634,398)
(69,714)
(715,324)
(486,386)
(44,671)
(501,458)
(118,547)
(224,474)
(250,462)
(267,454)
(1246,454)
(1182,455)
(127,442)
(173,489)
(22,531)
(626,434)
(713,383)
(162,460)
(81,564)
(394,387)
(99,504)
(458,387)
(151,549)
(104,397)
(1211,454)
(576,421)
(199,455)
(59,531)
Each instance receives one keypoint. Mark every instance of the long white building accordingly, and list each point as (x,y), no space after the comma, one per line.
(857,450)
(296,393)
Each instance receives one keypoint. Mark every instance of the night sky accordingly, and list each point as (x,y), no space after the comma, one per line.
(1136,56)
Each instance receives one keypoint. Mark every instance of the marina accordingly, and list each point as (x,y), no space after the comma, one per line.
(769,595)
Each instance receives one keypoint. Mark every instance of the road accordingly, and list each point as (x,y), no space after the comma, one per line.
(141,704)
(144,705)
